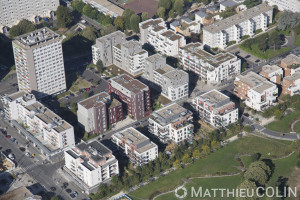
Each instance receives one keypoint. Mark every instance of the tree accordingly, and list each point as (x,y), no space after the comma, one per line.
(144,16)
(100,66)
(255,157)
(85,94)
(251,3)
(176,164)
(165,4)
(78,6)
(21,28)
(244,66)
(134,22)
(108,29)
(274,39)
(278,113)
(126,15)
(186,158)
(87,10)
(64,18)
(119,22)
(288,19)
(107,20)
(178,6)
(171,14)
(90,33)
(263,46)
(247,128)
(205,150)
(262,165)
(257,175)
(116,182)
(215,145)
(161,12)
(297,29)
(196,154)
(250,187)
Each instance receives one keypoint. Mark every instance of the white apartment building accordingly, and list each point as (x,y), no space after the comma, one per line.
(155,32)
(39,63)
(135,145)
(273,73)
(233,28)
(172,83)
(291,84)
(90,164)
(210,68)
(216,108)
(257,91)
(13,11)
(130,57)
(40,125)
(291,5)
(172,123)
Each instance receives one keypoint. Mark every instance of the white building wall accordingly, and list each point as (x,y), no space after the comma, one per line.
(291,5)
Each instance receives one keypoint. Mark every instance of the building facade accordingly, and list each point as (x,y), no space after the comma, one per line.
(39,63)
(139,149)
(233,28)
(273,73)
(97,112)
(257,92)
(13,11)
(291,5)
(40,125)
(91,164)
(291,84)
(134,95)
(155,32)
(216,108)
(172,83)
(172,123)
(211,68)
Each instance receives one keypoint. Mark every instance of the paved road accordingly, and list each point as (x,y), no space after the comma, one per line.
(268,132)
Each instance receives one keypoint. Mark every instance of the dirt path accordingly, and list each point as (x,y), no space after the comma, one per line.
(294,123)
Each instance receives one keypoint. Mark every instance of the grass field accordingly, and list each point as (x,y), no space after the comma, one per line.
(284,125)
(220,161)
(79,83)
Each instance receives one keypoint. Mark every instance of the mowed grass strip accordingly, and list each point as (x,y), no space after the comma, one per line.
(221,161)
(284,125)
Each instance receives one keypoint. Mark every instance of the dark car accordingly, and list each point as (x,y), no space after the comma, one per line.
(236,53)
(53,189)
(68,190)
(74,194)
(93,86)
(22,149)
(72,95)
(257,61)
(248,56)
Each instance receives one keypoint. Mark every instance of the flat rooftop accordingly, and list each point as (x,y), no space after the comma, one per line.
(293,77)
(155,58)
(291,59)
(96,150)
(263,87)
(95,101)
(164,69)
(170,113)
(171,35)
(151,22)
(111,36)
(110,6)
(129,83)
(251,79)
(237,18)
(270,68)
(48,117)
(176,74)
(196,50)
(16,95)
(36,37)
(213,97)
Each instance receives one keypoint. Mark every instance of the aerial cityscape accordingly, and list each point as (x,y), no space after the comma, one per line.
(149,99)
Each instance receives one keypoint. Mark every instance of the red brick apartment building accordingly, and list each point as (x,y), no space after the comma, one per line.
(134,95)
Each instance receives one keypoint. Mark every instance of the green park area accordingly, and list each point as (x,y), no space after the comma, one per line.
(222,162)
(284,125)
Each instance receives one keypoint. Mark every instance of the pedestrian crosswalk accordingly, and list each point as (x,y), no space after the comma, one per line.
(27,168)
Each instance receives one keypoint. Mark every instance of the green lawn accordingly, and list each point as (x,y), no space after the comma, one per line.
(284,125)
(220,161)
(297,127)
(270,53)
(297,41)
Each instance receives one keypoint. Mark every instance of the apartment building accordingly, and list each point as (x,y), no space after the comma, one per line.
(291,84)
(172,83)
(13,11)
(155,32)
(38,124)
(233,28)
(130,57)
(211,68)
(290,64)
(273,73)
(291,5)
(106,7)
(216,108)
(103,48)
(186,26)
(133,94)
(172,123)
(99,111)
(139,148)
(257,91)
(39,63)
(203,18)
(90,164)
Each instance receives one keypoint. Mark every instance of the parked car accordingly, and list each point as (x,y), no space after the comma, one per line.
(87,89)
(13,140)
(248,56)
(257,61)
(8,136)
(251,118)
(93,86)
(90,80)
(74,194)
(11,156)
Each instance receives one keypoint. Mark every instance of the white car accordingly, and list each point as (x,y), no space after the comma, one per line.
(11,156)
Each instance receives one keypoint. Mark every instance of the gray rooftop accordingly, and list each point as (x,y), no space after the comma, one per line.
(111,36)
(176,74)
(96,150)
(95,100)
(229,3)
(130,83)
(176,23)
(201,14)
(251,79)
(263,87)
(293,77)
(237,18)
(270,68)
(16,95)
(171,113)
(155,58)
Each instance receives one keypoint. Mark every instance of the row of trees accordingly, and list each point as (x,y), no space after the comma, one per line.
(24,26)
(288,19)
(170,8)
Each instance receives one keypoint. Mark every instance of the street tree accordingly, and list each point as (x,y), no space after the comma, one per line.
(161,12)
(64,18)
(100,66)
(24,26)
(134,22)
(108,29)
(274,39)
(119,22)
(165,4)
(78,6)
(90,33)
(144,16)
(127,14)
(179,6)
